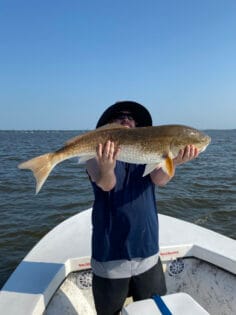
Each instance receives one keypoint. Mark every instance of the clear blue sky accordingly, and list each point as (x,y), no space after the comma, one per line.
(62,62)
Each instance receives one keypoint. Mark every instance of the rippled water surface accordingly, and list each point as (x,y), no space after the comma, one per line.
(203,191)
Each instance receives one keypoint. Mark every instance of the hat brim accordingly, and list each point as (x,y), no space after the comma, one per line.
(138,111)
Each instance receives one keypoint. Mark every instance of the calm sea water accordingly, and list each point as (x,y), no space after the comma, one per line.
(203,191)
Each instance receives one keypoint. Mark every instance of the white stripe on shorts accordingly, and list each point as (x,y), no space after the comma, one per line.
(119,269)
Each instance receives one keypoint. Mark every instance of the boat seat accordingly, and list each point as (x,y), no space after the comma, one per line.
(177,303)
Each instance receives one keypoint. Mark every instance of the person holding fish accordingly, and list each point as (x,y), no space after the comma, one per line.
(125,245)
(126,157)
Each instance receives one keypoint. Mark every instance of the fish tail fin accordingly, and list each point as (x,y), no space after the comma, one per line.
(41,167)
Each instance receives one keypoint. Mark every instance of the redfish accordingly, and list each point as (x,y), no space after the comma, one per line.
(153,146)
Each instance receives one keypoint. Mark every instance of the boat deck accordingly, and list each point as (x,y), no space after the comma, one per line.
(66,249)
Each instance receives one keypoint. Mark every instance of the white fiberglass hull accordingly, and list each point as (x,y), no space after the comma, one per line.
(55,276)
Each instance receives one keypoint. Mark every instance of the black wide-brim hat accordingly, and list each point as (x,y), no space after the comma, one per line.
(140,114)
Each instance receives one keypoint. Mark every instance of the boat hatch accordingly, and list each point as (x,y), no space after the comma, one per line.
(177,304)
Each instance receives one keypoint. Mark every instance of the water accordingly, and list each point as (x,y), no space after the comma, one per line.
(203,191)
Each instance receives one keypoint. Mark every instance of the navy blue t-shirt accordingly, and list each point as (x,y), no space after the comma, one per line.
(125,222)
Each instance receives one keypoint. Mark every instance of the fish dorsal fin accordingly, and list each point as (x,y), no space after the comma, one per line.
(70,141)
(107,126)
(112,126)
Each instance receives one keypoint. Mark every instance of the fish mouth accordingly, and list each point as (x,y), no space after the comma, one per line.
(204,148)
(207,141)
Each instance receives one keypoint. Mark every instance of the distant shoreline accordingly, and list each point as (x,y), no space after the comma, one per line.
(78,130)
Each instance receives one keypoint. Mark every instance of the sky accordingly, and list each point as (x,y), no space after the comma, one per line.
(63,62)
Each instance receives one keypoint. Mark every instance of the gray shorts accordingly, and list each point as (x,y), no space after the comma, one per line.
(117,269)
(110,294)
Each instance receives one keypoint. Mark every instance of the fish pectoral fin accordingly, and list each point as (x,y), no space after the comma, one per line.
(83,159)
(168,166)
(149,168)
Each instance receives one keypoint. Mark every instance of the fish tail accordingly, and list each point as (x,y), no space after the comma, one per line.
(41,167)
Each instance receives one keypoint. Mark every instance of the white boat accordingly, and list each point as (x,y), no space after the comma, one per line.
(55,277)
